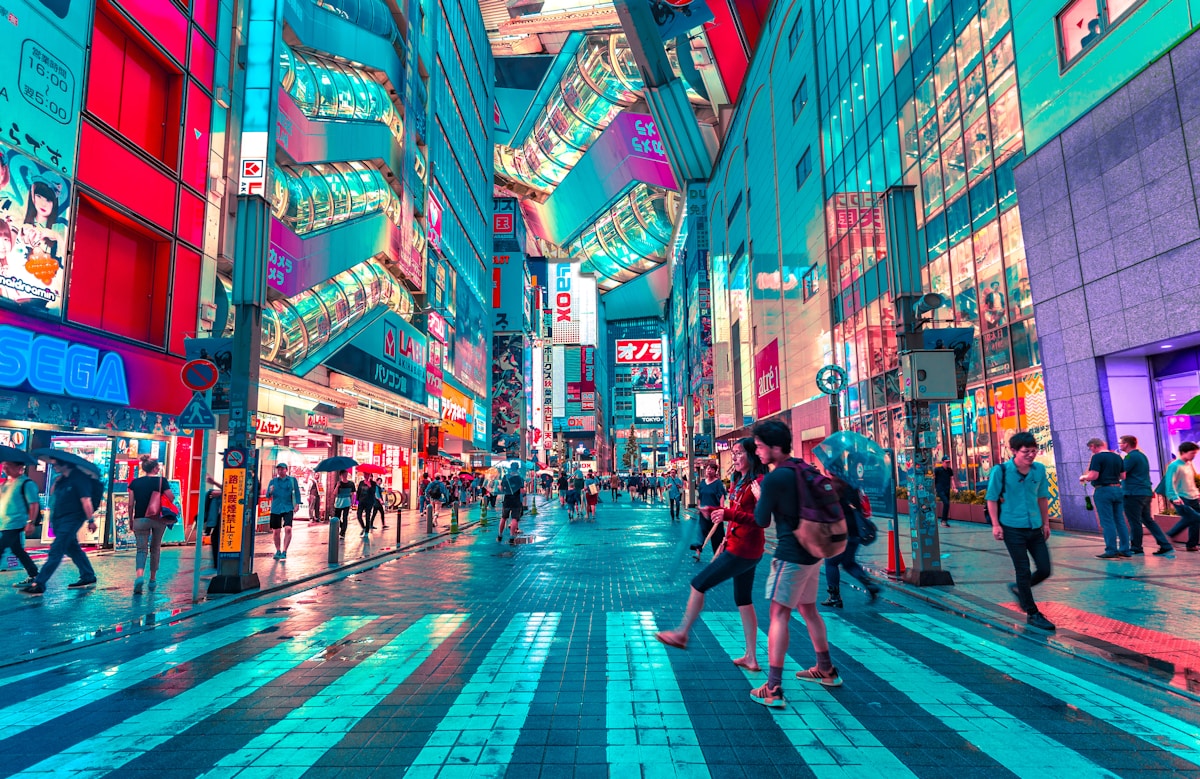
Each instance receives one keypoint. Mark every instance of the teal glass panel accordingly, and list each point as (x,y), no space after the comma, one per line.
(958,220)
(983,201)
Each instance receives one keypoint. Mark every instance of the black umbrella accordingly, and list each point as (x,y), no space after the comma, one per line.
(10,454)
(332,464)
(69,458)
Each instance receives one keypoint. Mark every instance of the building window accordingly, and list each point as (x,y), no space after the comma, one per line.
(737,203)
(803,167)
(1082,23)
(810,283)
(794,34)
(800,99)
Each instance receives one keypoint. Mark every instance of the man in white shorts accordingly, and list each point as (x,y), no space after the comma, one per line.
(795,574)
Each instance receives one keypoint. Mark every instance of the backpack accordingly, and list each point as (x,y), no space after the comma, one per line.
(1000,499)
(436,492)
(509,491)
(821,527)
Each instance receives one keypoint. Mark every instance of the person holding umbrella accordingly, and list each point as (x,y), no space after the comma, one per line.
(18,508)
(343,488)
(70,508)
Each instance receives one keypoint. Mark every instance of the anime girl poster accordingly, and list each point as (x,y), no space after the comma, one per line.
(34,219)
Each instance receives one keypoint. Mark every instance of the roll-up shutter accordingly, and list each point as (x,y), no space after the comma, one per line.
(368,424)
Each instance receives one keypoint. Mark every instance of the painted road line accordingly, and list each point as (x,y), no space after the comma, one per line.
(648,724)
(319,723)
(999,734)
(1162,730)
(137,735)
(31,674)
(825,734)
(40,709)
(478,733)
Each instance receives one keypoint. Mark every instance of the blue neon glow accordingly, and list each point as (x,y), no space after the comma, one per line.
(58,367)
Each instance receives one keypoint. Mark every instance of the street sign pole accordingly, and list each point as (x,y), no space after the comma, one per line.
(201,510)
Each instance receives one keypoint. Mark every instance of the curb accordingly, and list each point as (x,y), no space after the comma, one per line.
(171,613)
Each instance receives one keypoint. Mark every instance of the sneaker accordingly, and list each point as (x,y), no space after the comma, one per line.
(137,585)
(1165,550)
(24,582)
(1038,621)
(152,585)
(945,523)
(1192,548)
(34,589)
(500,538)
(512,541)
(1126,554)
(277,555)
(283,555)
(1137,551)
(828,678)
(769,697)
(81,584)
(1109,556)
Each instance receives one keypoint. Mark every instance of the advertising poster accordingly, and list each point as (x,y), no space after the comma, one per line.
(35,204)
(632,351)
(766,379)
(648,408)
(508,393)
(458,413)
(470,356)
(390,354)
(646,377)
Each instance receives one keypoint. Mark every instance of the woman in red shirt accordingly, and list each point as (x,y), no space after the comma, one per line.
(736,559)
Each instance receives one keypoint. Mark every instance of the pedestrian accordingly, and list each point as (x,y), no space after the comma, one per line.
(314,502)
(1105,472)
(562,488)
(738,559)
(343,496)
(710,493)
(795,573)
(574,495)
(853,507)
(212,521)
(424,485)
(147,496)
(1018,501)
(591,494)
(284,494)
(435,493)
(1138,493)
(943,482)
(380,504)
(614,485)
(18,510)
(1180,483)
(71,506)
(674,493)
(365,495)
(513,486)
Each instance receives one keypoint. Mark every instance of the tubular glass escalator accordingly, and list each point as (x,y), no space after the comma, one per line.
(313,197)
(628,239)
(324,88)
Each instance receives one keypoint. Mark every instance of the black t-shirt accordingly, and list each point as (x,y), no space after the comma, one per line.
(779,501)
(67,493)
(366,494)
(942,478)
(562,482)
(1109,466)
(142,488)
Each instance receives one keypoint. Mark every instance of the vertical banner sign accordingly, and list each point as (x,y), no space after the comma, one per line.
(233,490)
(766,379)
(257,147)
(508,393)
(433,221)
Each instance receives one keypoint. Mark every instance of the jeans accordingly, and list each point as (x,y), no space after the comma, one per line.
(674,508)
(1023,543)
(1137,512)
(343,516)
(11,540)
(1109,507)
(66,542)
(149,533)
(944,497)
(365,510)
(1189,519)
(833,574)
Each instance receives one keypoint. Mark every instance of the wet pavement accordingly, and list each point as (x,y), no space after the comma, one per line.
(477,658)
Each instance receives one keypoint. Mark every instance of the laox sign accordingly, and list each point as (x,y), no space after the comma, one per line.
(562,293)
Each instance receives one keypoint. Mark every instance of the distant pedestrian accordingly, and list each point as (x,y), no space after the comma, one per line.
(853,507)
(1018,500)
(710,493)
(343,496)
(1138,494)
(1180,484)
(614,485)
(212,521)
(365,495)
(743,548)
(314,502)
(284,494)
(435,494)
(513,486)
(380,503)
(674,493)
(71,506)
(943,482)
(1105,472)
(591,494)
(147,496)
(562,488)
(18,509)
(795,573)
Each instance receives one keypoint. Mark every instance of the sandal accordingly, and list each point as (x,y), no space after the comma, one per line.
(670,640)
(741,663)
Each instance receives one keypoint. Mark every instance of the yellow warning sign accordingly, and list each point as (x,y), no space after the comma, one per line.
(233,494)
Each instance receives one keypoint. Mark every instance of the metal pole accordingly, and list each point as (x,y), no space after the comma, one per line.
(687,449)
(200,513)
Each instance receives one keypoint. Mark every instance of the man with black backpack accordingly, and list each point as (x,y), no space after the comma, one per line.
(512,485)
(1018,501)
(796,495)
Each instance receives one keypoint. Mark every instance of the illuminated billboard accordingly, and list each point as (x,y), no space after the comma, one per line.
(632,351)
(646,377)
(648,408)
(573,305)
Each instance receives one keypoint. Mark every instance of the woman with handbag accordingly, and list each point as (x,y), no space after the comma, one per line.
(150,499)
(343,493)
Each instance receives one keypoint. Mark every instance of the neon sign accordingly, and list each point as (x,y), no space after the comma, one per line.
(562,297)
(58,367)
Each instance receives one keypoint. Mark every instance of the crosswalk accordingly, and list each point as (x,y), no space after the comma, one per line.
(657,722)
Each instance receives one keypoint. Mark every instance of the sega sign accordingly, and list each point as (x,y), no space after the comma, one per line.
(59,367)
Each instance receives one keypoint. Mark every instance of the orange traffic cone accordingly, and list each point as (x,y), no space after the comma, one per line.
(892,552)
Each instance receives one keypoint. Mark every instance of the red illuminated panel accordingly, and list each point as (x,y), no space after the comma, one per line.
(119,275)
(196,139)
(727,47)
(203,60)
(109,168)
(204,13)
(164,22)
(191,218)
(750,14)
(185,295)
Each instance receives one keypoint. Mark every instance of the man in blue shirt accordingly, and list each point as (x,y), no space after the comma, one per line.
(1018,501)
(1138,492)
(284,492)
